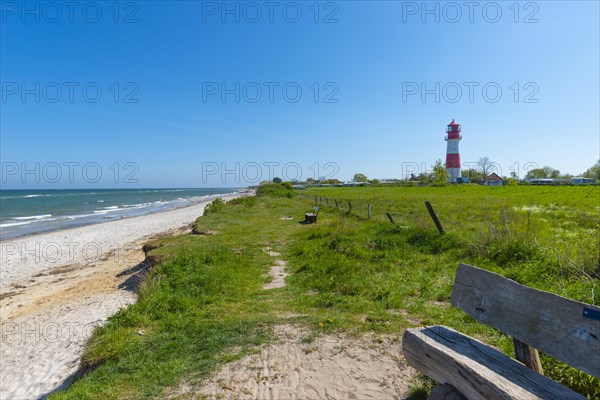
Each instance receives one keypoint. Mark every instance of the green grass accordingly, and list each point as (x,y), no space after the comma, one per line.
(203,305)
(510,226)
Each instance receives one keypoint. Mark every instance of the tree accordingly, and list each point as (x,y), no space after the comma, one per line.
(543,173)
(425,177)
(475,176)
(440,175)
(551,172)
(593,172)
(360,178)
(310,180)
(485,165)
(535,173)
(277,180)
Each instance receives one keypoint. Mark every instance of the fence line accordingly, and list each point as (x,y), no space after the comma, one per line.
(355,209)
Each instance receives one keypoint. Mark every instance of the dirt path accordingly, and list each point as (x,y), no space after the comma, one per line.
(336,366)
(299,366)
(277,271)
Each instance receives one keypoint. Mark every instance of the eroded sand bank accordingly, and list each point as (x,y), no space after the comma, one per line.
(56,287)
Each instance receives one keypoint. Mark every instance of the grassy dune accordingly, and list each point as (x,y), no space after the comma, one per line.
(202,305)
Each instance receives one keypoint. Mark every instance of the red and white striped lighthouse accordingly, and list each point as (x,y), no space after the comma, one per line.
(452,153)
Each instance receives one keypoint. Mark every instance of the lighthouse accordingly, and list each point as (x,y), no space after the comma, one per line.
(452,153)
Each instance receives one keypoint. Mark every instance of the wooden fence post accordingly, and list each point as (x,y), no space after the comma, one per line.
(390,217)
(434,217)
(315,199)
(349,206)
(369,210)
(336,204)
(327,200)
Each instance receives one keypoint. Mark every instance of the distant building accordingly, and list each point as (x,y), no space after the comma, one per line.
(493,180)
(543,181)
(354,183)
(579,180)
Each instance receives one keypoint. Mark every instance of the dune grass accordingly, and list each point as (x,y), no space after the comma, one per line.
(203,305)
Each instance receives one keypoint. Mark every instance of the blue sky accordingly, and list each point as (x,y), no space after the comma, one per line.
(162,119)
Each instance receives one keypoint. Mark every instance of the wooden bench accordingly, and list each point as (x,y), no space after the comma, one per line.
(312,217)
(565,329)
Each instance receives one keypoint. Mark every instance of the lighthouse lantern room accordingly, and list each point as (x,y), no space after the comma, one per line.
(452,154)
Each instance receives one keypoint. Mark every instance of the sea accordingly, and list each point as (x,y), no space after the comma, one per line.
(27,212)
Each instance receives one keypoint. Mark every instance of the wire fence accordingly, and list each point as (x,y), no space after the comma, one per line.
(568,256)
(367,210)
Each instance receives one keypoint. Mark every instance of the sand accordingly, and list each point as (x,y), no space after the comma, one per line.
(277,272)
(338,366)
(56,287)
(298,366)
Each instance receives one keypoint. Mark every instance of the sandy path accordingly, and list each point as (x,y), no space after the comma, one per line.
(294,367)
(55,288)
(277,271)
(331,367)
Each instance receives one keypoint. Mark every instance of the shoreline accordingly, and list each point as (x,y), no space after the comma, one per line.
(50,305)
(208,198)
(41,248)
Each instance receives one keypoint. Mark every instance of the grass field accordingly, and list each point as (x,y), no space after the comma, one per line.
(202,305)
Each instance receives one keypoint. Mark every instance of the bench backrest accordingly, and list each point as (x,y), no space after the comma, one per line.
(565,329)
(316,209)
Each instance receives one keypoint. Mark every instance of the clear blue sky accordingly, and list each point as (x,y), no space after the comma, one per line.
(370,57)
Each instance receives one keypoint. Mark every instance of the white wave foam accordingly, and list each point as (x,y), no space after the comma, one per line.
(33,217)
(80,216)
(15,224)
(102,212)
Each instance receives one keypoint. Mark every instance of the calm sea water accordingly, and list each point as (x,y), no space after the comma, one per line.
(25,212)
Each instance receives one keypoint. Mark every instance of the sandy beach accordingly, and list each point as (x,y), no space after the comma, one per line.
(56,287)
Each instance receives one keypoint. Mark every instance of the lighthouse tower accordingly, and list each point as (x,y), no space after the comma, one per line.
(452,154)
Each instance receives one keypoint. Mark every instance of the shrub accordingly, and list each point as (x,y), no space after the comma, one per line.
(248,201)
(215,206)
(283,189)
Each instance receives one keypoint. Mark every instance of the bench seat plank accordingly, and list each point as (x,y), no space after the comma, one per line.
(475,369)
(555,325)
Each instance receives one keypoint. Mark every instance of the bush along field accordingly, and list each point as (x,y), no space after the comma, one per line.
(201,303)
